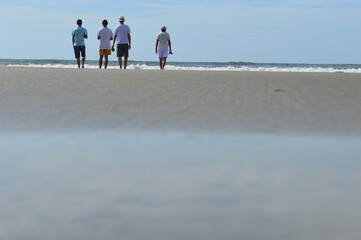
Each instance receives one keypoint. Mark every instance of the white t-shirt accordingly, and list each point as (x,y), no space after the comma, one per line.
(163,38)
(105,34)
(122,32)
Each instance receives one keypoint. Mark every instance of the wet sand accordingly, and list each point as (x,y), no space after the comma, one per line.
(90,154)
(191,101)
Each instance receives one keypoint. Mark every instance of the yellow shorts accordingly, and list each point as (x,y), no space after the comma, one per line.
(105,52)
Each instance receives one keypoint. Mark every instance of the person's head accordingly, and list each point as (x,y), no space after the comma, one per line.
(105,23)
(164,28)
(79,22)
(121,19)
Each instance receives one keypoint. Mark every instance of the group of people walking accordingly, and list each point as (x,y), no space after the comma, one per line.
(122,38)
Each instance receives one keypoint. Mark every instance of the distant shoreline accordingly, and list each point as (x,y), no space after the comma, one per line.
(156,69)
(198,66)
(155,61)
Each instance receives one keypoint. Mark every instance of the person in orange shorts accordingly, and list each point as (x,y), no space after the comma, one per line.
(105,35)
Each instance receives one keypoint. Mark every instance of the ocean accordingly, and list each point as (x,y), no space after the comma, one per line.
(194,66)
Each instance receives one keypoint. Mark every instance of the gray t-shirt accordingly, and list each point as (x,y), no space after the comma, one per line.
(163,38)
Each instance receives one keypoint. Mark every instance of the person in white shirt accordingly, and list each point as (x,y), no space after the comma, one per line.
(123,40)
(163,40)
(105,35)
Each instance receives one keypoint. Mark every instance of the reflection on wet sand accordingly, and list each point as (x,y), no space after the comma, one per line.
(103,185)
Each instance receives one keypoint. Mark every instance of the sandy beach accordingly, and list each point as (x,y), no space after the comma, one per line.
(108,154)
(239,102)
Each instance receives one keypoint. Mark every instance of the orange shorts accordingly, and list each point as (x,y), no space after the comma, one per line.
(105,52)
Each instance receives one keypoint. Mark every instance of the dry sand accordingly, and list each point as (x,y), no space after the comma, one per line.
(197,101)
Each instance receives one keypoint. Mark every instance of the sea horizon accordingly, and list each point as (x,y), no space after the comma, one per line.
(181,65)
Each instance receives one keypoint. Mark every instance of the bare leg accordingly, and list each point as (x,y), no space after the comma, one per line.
(125,62)
(120,62)
(83,62)
(164,62)
(100,61)
(106,61)
(78,62)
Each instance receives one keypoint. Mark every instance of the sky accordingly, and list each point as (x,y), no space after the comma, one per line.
(262,31)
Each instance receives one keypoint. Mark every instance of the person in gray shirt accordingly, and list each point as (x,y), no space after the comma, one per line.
(165,47)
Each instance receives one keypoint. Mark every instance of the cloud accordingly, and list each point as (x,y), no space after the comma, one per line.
(319,3)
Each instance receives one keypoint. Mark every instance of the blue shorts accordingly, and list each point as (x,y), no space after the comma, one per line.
(162,53)
(78,50)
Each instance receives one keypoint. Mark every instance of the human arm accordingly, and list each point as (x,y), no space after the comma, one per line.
(114,39)
(156,46)
(170,46)
(86,34)
(73,37)
(130,41)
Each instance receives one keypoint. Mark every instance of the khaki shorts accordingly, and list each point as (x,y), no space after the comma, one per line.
(105,52)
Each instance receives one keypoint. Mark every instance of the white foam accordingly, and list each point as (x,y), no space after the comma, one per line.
(188,68)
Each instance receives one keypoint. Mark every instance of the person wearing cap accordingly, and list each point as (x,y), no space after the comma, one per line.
(123,39)
(79,34)
(105,35)
(165,47)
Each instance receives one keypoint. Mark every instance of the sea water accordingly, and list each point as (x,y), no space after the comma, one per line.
(204,66)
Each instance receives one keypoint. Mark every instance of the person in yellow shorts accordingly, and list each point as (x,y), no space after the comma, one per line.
(105,35)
